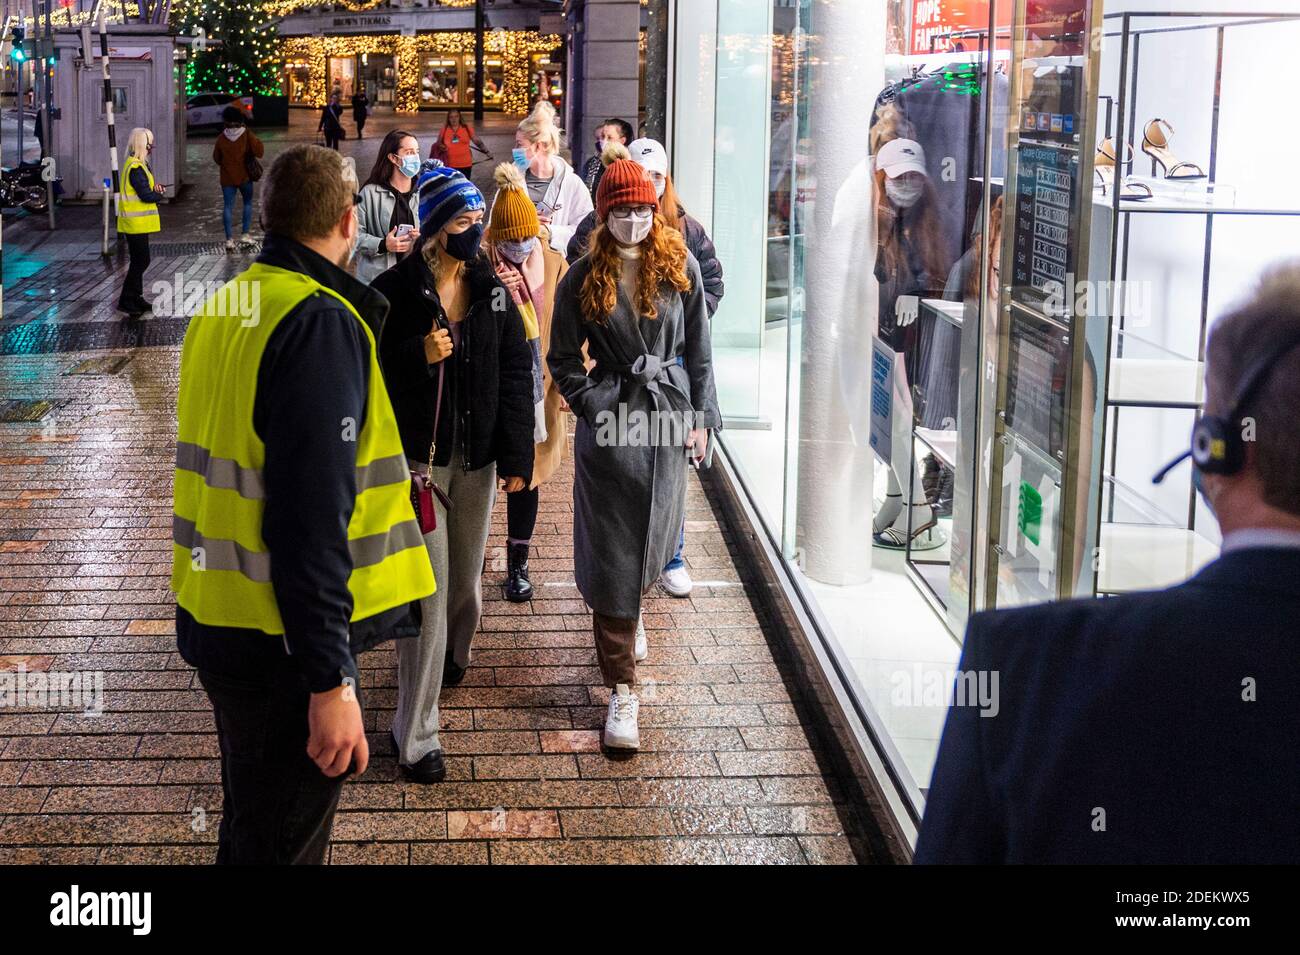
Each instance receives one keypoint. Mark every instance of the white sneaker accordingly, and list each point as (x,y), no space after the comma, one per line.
(677,582)
(230,245)
(246,241)
(640,649)
(621,731)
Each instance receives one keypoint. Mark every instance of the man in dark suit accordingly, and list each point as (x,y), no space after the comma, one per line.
(1158,727)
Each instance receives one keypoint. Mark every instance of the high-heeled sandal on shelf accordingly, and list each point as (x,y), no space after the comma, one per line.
(926,537)
(1104,163)
(1155,143)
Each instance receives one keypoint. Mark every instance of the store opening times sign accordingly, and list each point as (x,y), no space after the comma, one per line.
(933,21)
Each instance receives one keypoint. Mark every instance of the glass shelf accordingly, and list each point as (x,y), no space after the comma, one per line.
(1152,376)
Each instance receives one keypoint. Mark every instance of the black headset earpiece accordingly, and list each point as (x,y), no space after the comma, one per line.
(1217,446)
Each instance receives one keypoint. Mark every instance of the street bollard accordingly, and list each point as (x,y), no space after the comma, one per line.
(108,189)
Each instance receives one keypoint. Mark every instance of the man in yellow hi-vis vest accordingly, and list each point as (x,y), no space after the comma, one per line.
(294,542)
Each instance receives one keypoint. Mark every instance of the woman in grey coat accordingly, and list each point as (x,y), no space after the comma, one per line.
(636,302)
(388,215)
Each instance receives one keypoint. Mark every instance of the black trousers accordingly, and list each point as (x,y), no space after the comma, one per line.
(332,139)
(278,807)
(137,248)
(521,514)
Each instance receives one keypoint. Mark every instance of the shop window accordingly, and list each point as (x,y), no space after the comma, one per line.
(440,84)
(341,72)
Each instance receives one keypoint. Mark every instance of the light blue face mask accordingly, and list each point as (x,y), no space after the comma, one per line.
(516,250)
(1199,485)
(410,166)
(520,157)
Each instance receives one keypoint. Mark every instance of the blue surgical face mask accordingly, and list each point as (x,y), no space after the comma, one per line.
(516,250)
(520,156)
(1199,485)
(410,166)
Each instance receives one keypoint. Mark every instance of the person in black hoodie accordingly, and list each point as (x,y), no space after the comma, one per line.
(460,375)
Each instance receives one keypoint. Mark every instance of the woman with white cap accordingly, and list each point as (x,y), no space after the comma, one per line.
(910,265)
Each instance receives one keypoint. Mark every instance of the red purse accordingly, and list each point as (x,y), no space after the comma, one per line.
(423,488)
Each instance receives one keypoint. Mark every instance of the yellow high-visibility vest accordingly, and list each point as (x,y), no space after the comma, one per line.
(221,567)
(134,215)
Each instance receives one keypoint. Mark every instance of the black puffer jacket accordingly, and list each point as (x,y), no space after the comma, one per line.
(488,386)
(697,241)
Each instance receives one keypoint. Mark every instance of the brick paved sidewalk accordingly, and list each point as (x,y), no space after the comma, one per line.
(728,772)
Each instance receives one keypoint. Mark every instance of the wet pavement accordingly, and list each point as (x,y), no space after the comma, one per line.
(729,771)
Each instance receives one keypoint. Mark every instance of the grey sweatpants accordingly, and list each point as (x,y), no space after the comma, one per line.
(451,615)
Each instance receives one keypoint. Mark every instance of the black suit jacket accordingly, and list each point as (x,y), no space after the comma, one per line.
(1131,713)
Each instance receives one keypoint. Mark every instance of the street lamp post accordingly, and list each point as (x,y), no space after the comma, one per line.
(478,61)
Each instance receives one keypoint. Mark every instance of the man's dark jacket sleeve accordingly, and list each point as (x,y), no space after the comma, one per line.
(310,408)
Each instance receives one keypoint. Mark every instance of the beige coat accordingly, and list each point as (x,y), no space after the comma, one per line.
(550,452)
(549,266)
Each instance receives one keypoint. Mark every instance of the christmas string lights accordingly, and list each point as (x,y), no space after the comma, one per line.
(282,8)
(237,52)
(515,48)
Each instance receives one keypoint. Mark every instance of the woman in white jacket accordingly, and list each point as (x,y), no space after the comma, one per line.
(388,217)
(561,197)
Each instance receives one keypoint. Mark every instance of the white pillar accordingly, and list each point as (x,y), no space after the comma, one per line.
(833,524)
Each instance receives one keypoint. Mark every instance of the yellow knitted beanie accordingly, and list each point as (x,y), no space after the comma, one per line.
(514,216)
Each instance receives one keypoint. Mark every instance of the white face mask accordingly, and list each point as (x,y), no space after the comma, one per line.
(632,230)
(516,250)
(903,194)
(233,132)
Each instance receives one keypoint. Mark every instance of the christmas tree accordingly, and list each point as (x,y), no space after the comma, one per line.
(233,47)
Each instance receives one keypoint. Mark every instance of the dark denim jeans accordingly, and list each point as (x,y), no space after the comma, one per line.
(228,193)
(278,807)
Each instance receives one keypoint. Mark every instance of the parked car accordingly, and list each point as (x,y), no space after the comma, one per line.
(204,109)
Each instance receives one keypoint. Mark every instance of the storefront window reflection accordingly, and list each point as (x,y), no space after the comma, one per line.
(850,370)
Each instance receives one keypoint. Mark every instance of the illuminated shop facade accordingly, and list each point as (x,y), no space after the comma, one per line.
(417,56)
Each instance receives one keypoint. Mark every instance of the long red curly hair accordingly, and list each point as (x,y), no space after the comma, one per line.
(663,262)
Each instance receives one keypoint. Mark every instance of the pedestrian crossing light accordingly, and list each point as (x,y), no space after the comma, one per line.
(17,53)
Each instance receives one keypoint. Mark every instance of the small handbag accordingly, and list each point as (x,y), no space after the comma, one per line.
(439,151)
(252,165)
(423,488)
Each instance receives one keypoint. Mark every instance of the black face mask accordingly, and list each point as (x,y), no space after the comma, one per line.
(464,245)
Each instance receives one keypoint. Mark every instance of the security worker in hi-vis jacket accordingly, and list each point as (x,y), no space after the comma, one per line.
(295,545)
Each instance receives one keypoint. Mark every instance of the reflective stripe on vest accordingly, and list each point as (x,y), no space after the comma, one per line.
(134,215)
(227,473)
(221,565)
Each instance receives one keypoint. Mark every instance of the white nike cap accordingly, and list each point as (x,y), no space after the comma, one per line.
(650,154)
(899,156)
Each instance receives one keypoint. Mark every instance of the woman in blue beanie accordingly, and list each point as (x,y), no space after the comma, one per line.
(460,375)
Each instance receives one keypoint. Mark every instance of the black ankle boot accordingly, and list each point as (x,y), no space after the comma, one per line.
(518,587)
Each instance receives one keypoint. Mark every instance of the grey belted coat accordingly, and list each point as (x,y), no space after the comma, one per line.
(629,490)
